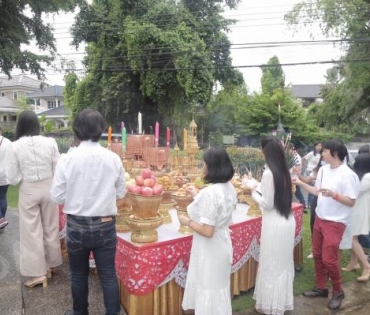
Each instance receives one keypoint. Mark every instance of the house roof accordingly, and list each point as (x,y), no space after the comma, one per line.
(19,80)
(306,90)
(60,111)
(55,90)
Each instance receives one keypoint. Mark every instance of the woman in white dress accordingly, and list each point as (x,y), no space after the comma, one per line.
(274,284)
(360,217)
(32,160)
(207,289)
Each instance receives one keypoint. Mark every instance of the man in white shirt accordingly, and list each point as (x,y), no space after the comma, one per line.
(88,181)
(337,188)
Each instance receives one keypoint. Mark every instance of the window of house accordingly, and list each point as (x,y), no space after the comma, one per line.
(5,118)
(13,118)
(2,94)
(58,103)
(15,95)
(38,103)
(51,105)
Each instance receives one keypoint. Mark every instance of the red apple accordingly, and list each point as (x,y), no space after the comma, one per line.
(136,190)
(149,182)
(153,178)
(157,189)
(139,180)
(146,173)
(130,186)
(146,191)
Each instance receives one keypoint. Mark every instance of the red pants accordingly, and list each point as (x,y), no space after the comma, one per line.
(326,238)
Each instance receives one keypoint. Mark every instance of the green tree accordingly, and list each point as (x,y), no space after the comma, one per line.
(18,28)
(347,91)
(272,76)
(160,57)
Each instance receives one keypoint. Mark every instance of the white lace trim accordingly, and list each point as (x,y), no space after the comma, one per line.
(253,251)
(178,273)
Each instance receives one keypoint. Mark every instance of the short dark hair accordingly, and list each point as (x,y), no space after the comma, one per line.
(362,165)
(88,125)
(28,124)
(364,149)
(274,154)
(219,166)
(336,146)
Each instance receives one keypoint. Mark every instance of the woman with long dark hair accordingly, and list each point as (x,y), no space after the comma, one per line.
(32,160)
(274,284)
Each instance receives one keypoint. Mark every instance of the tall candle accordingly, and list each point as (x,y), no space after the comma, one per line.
(140,123)
(109,134)
(156,133)
(185,139)
(124,136)
(168,137)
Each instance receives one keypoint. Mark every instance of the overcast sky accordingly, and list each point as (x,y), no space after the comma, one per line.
(259,21)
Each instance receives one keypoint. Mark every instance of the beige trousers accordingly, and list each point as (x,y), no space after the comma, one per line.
(39,227)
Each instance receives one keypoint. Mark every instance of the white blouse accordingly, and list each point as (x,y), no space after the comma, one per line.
(31,159)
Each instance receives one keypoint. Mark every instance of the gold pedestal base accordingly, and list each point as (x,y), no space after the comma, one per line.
(164,207)
(144,231)
(121,224)
(184,229)
(253,210)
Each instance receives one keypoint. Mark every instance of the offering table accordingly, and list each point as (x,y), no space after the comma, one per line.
(152,276)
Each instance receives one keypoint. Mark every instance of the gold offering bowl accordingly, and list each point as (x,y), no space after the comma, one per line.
(145,207)
(182,201)
(253,210)
(167,196)
(144,231)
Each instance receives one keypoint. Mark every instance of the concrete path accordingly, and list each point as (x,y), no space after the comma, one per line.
(15,299)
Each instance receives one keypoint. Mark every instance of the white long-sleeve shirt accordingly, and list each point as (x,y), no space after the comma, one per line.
(31,159)
(88,180)
(4,145)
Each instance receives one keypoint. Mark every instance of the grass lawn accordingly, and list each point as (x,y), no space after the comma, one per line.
(12,196)
(303,280)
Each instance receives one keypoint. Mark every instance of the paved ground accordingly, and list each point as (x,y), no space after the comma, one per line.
(15,299)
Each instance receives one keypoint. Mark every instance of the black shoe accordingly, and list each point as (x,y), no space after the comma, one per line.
(336,300)
(315,292)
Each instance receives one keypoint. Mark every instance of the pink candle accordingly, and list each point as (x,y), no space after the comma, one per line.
(156,133)
(168,137)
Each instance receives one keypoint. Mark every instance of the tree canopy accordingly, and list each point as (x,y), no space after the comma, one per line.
(347,91)
(21,22)
(160,57)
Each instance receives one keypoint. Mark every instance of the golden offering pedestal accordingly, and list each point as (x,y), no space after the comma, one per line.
(144,218)
(164,207)
(144,231)
(124,207)
(121,223)
(182,203)
(254,209)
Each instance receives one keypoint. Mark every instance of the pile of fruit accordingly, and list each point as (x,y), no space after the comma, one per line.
(145,184)
(167,183)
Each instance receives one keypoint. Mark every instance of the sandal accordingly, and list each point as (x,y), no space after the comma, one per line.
(36,281)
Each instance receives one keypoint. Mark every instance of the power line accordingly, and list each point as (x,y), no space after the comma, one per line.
(221,67)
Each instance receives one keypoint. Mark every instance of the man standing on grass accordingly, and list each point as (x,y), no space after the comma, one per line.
(337,188)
